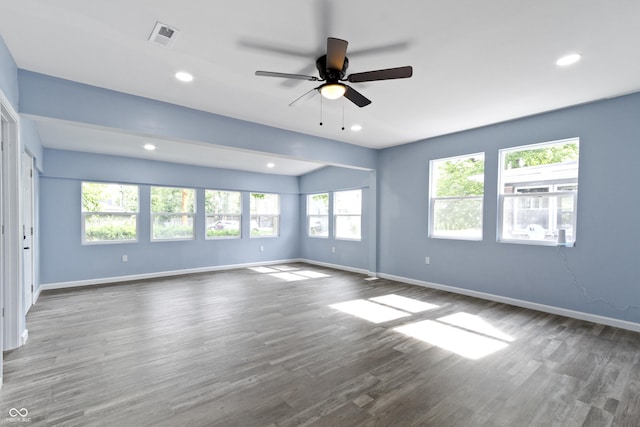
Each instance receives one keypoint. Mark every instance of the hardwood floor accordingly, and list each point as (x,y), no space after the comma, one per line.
(249,348)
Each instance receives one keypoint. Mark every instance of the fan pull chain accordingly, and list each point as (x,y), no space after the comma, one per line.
(321,111)
(343,113)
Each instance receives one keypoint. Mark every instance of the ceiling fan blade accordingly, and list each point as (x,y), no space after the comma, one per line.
(336,52)
(305,97)
(356,97)
(386,74)
(307,71)
(286,75)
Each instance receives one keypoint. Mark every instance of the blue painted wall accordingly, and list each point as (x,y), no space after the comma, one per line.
(8,75)
(349,254)
(30,139)
(604,264)
(65,259)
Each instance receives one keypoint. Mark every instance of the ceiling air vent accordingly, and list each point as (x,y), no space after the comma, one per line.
(163,34)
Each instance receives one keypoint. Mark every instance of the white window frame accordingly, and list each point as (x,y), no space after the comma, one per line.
(550,235)
(121,213)
(256,217)
(337,215)
(223,216)
(191,215)
(314,216)
(433,200)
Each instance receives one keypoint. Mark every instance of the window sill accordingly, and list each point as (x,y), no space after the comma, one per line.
(224,238)
(538,243)
(471,239)
(109,242)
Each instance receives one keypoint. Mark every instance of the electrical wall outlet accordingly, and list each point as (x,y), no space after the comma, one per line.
(261,248)
(333,249)
(427,260)
(125,258)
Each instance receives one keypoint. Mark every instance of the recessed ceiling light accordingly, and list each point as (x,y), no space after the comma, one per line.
(149,147)
(184,76)
(271,165)
(568,59)
(356,128)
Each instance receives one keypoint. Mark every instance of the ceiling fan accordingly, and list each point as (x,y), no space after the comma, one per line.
(332,68)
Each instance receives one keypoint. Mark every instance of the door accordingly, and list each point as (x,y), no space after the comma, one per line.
(27,230)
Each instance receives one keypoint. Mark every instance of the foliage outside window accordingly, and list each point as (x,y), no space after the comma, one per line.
(172,213)
(539,192)
(347,213)
(318,215)
(224,214)
(109,213)
(456,196)
(265,215)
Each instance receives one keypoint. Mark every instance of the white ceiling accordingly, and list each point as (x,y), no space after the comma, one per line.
(475,62)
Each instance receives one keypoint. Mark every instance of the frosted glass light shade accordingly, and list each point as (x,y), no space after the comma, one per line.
(333,90)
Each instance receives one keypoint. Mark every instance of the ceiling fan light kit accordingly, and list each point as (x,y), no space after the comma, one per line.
(332,90)
(332,69)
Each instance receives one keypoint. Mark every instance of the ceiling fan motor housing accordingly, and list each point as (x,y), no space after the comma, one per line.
(331,75)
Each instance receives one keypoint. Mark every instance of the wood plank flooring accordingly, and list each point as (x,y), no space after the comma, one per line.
(263,347)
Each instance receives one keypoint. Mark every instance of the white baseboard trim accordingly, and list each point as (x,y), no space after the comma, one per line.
(24,337)
(159,274)
(617,323)
(154,275)
(337,267)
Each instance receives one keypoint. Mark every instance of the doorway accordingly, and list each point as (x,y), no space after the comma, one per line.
(27,195)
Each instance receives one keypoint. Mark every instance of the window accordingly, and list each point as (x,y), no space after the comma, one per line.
(318,215)
(347,212)
(109,213)
(456,196)
(172,213)
(265,215)
(224,214)
(539,192)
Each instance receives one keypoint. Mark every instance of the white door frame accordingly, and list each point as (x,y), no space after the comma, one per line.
(13,326)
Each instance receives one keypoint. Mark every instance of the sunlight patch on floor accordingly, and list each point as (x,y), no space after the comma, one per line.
(403,303)
(289,277)
(311,274)
(459,341)
(288,273)
(263,269)
(476,324)
(284,268)
(370,311)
